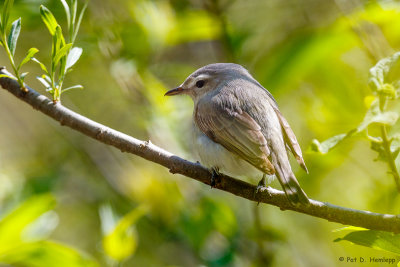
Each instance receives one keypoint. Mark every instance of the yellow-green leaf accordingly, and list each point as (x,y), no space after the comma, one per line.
(48,19)
(122,241)
(29,55)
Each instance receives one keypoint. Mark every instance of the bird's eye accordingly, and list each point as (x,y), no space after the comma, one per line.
(200,83)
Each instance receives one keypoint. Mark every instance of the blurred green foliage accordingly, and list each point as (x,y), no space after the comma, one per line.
(314,56)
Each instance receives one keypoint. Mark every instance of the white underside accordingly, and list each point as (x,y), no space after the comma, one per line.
(213,155)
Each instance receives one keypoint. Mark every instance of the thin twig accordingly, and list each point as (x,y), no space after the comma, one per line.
(146,150)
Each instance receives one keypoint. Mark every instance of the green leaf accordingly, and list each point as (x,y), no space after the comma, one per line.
(374,115)
(67,12)
(48,19)
(73,57)
(12,224)
(42,66)
(61,53)
(386,71)
(23,75)
(78,24)
(374,239)
(13,36)
(47,254)
(29,55)
(330,143)
(349,228)
(121,242)
(7,76)
(74,6)
(6,13)
(78,86)
(44,82)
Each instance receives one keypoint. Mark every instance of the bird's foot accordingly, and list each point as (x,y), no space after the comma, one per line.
(214,176)
(261,187)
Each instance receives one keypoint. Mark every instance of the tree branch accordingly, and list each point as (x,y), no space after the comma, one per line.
(175,164)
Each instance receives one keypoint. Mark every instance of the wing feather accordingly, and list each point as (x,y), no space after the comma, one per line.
(238,132)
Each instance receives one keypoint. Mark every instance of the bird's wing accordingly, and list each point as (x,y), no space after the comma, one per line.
(237,131)
(290,139)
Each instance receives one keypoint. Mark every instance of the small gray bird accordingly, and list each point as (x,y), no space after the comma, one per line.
(238,128)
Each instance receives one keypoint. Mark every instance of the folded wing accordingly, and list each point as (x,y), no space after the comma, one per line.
(237,131)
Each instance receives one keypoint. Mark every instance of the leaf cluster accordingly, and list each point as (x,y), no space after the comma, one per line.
(9,39)
(63,54)
(385,84)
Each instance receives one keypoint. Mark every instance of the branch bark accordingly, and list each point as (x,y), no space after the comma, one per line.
(175,164)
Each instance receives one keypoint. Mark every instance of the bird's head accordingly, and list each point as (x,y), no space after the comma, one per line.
(207,79)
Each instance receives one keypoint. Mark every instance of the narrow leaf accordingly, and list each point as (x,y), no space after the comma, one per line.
(44,82)
(60,36)
(46,77)
(74,6)
(48,19)
(7,76)
(73,57)
(13,36)
(6,13)
(67,12)
(78,86)
(330,143)
(61,53)
(23,75)
(42,66)
(78,24)
(31,52)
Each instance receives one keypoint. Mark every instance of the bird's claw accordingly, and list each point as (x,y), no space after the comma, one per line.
(261,187)
(214,175)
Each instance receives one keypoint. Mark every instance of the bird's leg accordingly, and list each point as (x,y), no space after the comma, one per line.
(214,175)
(261,184)
(260,187)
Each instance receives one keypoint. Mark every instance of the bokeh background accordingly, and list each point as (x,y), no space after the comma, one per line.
(75,201)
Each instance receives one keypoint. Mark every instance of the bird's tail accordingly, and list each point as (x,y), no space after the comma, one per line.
(291,186)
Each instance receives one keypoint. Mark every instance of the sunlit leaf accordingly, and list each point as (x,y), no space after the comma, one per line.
(44,82)
(73,57)
(23,75)
(13,35)
(78,86)
(47,254)
(7,76)
(386,71)
(74,7)
(67,12)
(121,242)
(48,19)
(12,224)
(29,55)
(330,143)
(62,52)
(374,115)
(42,66)
(6,13)
(349,228)
(78,23)
(374,239)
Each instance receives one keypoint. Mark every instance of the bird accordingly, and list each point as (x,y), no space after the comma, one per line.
(238,129)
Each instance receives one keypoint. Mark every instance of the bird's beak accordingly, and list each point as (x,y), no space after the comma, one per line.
(175,91)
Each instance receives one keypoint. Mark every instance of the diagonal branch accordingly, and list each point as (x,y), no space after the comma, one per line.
(175,164)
